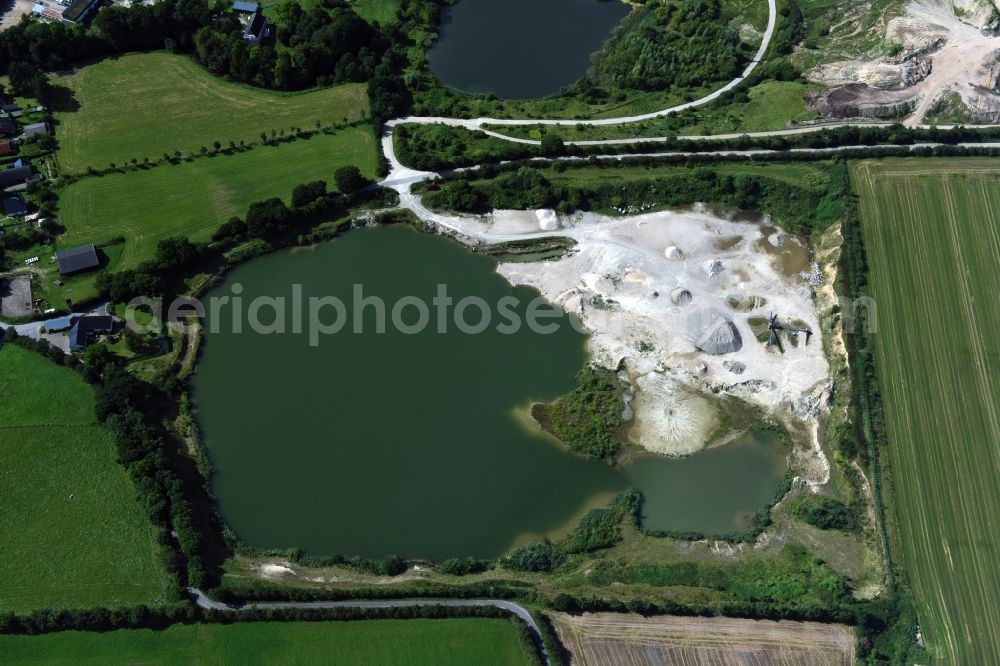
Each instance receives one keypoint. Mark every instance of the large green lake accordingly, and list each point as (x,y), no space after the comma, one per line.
(418,444)
(520,48)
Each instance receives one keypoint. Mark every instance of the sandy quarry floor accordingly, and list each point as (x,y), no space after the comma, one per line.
(948,46)
(634,298)
(649,287)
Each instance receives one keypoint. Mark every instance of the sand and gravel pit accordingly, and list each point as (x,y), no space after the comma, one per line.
(668,298)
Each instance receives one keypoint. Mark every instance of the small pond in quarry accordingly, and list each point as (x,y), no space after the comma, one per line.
(417,444)
(520,49)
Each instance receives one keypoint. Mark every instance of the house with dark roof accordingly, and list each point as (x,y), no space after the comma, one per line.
(8,126)
(7,148)
(246,7)
(257,28)
(15,176)
(8,104)
(37,129)
(15,206)
(78,10)
(77,260)
(85,329)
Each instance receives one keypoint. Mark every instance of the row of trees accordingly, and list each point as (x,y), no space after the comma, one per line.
(434,147)
(161,617)
(175,258)
(799,209)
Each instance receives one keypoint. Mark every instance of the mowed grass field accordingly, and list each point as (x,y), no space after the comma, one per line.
(193,198)
(73,532)
(145,105)
(612,639)
(932,232)
(377,11)
(378,642)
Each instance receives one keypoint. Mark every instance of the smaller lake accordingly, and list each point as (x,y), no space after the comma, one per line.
(417,443)
(520,49)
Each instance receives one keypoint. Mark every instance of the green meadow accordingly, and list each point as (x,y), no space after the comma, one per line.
(193,198)
(73,532)
(144,105)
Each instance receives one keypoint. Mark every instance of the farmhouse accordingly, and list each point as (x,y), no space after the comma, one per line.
(15,206)
(257,28)
(37,129)
(79,10)
(15,176)
(77,260)
(85,329)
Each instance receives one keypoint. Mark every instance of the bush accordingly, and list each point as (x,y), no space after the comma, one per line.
(350,180)
(826,513)
(534,557)
(599,528)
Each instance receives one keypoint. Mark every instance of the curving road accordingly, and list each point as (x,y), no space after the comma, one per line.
(204,601)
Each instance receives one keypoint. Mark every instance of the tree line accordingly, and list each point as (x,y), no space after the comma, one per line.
(327,44)
(124,404)
(175,258)
(436,147)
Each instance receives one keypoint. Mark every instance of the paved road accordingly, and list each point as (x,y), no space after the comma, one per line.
(205,601)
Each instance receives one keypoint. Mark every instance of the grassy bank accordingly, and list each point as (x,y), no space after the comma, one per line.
(770,105)
(931,231)
(74,534)
(145,105)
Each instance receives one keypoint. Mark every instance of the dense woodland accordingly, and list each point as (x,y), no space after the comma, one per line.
(670,44)
(323,45)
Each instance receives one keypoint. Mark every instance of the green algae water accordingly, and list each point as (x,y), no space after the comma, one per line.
(378,443)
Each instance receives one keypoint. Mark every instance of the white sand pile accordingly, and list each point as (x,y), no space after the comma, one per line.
(673,252)
(713,268)
(547,220)
(275,570)
(670,419)
(680,296)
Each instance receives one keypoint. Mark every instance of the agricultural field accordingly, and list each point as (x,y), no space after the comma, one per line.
(193,198)
(74,534)
(121,99)
(612,639)
(383,642)
(932,234)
